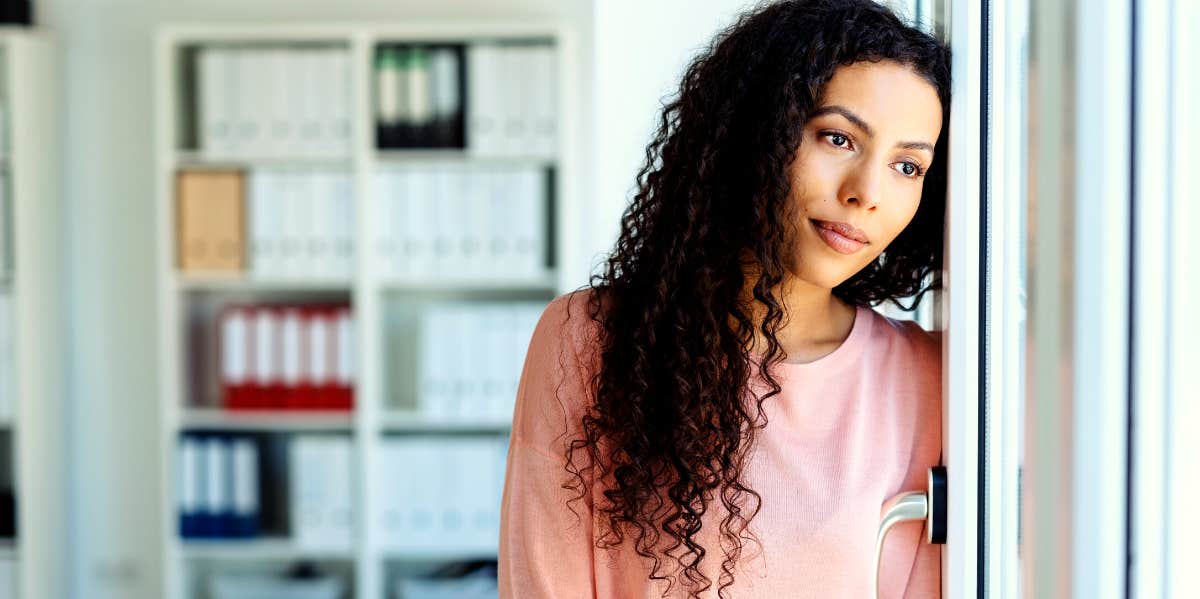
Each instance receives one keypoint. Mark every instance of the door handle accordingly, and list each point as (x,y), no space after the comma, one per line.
(928,505)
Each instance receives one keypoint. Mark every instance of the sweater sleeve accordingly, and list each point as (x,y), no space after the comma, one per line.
(545,544)
(925,580)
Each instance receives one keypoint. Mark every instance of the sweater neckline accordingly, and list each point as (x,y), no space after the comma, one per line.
(842,355)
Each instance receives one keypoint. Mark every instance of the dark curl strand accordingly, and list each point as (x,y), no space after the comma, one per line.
(669,426)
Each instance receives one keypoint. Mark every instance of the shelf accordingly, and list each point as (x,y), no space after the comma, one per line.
(386,304)
(247,282)
(281,421)
(410,422)
(448,554)
(405,155)
(198,160)
(543,283)
(276,548)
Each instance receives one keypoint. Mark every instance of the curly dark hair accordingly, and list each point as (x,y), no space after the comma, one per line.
(669,425)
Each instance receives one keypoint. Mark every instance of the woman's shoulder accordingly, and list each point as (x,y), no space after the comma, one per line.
(559,363)
(568,326)
(908,339)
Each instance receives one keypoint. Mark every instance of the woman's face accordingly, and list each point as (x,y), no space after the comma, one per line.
(861,162)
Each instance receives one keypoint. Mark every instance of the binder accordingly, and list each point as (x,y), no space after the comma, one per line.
(483,120)
(425,222)
(280,132)
(325,93)
(387,88)
(252,112)
(420,100)
(318,391)
(476,215)
(403,97)
(529,243)
(214,67)
(236,343)
(545,102)
(390,518)
(451,195)
(266,377)
(216,510)
(259,222)
(472,404)
(515,96)
(322,510)
(309,85)
(244,522)
(342,218)
(386,231)
(293,361)
(433,187)
(433,387)
(421,494)
(447,94)
(191,470)
(495,336)
(500,238)
(310,187)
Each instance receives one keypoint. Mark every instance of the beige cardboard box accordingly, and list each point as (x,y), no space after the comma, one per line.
(210,205)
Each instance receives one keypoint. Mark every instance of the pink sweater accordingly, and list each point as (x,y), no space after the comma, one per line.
(849,431)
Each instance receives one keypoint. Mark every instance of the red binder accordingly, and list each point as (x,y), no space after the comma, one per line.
(235,342)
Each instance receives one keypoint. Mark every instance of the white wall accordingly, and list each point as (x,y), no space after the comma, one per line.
(641,50)
(105,48)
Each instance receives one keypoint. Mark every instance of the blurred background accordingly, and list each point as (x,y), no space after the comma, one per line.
(268,272)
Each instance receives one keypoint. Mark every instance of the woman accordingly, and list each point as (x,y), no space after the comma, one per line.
(721,413)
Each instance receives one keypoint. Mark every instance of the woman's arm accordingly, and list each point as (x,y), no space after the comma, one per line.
(545,547)
(545,550)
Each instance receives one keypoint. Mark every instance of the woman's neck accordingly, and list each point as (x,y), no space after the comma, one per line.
(815,322)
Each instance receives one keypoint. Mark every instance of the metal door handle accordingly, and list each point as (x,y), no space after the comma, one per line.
(929,505)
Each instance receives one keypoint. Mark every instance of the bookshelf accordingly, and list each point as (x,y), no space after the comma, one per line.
(32,466)
(432,164)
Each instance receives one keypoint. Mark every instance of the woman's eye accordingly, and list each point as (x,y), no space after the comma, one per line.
(909,169)
(835,137)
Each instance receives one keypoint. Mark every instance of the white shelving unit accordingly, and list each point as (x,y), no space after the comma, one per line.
(378,300)
(31,428)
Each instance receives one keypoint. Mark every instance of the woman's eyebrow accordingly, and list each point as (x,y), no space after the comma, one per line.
(846,112)
(861,124)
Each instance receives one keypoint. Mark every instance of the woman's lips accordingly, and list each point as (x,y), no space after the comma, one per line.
(836,240)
